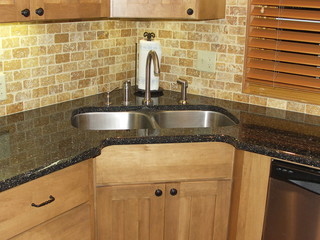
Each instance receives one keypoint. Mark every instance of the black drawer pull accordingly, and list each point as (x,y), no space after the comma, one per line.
(25,12)
(40,11)
(44,203)
(173,191)
(158,192)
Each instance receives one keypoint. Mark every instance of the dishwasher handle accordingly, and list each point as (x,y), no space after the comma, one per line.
(301,176)
(310,186)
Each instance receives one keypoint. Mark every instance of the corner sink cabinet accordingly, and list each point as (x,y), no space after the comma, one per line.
(26,10)
(164,191)
(174,9)
(146,191)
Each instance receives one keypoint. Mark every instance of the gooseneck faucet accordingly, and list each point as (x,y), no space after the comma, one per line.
(152,55)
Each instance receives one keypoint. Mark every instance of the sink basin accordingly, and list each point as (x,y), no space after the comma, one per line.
(150,120)
(192,119)
(111,121)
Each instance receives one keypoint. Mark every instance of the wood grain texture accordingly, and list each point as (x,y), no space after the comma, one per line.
(10,11)
(200,210)
(130,212)
(72,225)
(249,194)
(66,9)
(164,163)
(69,186)
(202,9)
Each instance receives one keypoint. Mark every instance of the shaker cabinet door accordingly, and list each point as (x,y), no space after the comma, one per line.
(66,9)
(134,212)
(198,210)
(14,10)
(169,9)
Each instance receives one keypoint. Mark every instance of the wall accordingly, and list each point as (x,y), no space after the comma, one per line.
(55,62)
(181,42)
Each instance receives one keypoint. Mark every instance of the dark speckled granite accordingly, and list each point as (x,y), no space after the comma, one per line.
(38,142)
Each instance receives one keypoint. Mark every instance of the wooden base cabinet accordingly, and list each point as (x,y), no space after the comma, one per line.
(72,225)
(249,195)
(164,191)
(43,208)
(186,211)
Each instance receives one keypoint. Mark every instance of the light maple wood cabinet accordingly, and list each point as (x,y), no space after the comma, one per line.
(56,206)
(171,9)
(164,191)
(27,10)
(249,195)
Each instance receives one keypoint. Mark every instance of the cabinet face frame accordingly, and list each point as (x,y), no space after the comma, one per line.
(249,195)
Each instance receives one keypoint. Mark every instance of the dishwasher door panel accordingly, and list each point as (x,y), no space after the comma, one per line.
(293,213)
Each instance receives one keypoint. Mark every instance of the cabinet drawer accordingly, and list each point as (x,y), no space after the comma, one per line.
(164,163)
(69,187)
(72,225)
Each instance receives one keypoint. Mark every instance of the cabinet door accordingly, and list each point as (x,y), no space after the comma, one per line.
(130,212)
(179,9)
(151,9)
(199,210)
(68,9)
(72,225)
(11,10)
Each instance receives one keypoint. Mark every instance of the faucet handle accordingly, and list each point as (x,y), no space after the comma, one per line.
(108,102)
(184,86)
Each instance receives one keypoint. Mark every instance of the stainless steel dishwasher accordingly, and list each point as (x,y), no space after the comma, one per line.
(293,204)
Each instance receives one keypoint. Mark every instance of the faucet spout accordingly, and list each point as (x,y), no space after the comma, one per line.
(152,55)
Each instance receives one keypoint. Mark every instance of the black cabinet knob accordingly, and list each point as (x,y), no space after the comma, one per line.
(173,191)
(40,11)
(158,192)
(25,12)
(190,11)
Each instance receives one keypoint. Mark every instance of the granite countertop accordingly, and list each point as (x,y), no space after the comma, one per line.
(37,142)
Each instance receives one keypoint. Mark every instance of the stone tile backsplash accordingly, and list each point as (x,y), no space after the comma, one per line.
(48,63)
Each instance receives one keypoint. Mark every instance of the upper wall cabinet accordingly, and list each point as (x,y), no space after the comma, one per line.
(26,10)
(14,10)
(170,9)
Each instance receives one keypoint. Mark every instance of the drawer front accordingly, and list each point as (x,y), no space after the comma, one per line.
(72,225)
(69,188)
(164,163)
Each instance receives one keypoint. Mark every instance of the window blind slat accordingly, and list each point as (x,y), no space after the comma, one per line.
(272,23)
(284,57)
(285,46)
(289,3)
(270,76)
(284,67)
(286,13)
(286,35)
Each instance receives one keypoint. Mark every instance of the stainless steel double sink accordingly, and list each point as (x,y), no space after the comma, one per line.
(144,119)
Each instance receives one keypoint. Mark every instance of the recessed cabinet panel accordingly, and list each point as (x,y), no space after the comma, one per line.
(14,10)
(171,9)
(131,212)
(199,210)
(66,9)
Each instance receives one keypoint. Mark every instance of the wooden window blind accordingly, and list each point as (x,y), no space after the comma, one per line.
(283,49)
